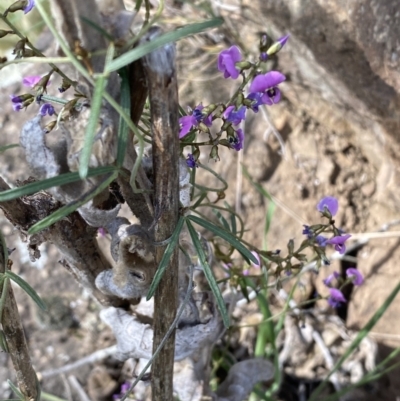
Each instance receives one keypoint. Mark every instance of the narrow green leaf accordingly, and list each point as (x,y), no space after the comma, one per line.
(60,180)
(98,28)
(27,288)
(208,273)
(140,51)
(6,147)
(16,390)
(90,133)
(3,342)
(67,209)
(222,219)
(233,224)
(123,129)
(138,5)
(227,237)
(166,257)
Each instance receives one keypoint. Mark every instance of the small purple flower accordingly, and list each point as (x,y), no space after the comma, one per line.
(16,99)
(336,298)
(307,231)
(267,85)
(330,278)
(46,108)
(17,106)
(277,46)
(257,101)
(31,80)
(187,122)
(190,161)
(227,60)
(355,275)
(237,142)
(235,116)
(29,6)
(321,240)
(102,231)
(338,242)
(328,203)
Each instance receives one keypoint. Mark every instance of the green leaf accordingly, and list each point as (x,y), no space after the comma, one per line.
(140,51)
(92,124)
(208,273)
(27,288)
(16,390)
(6,147)
(123,129)
(98,28)
(67,209)
(166,257)
(60,180)
(227,237)
(3,342)
(222,219)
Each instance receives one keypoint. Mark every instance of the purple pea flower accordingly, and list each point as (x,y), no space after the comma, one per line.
(46,108)
(321,240)
(328,203)
(237,142)
(256,101)
(235,116)
(355,275)
(190,161)
(16,99)
(17,106)
(29,6)
(227,60)
(328,281)
(193,120)
(267,85)
(338,242)
(336,298)
(31,80)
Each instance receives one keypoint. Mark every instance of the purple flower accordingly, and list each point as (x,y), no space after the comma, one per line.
(235,116)
(29,6)
(31,80)
(339,242)
(46,108)
(267,85)
(321,240)
(17,106)
(307,231)
(330,278)
(187,122)
(330,204)
(354,274)
(256,101)
(16,99)
(237,141)
(335,298)
(190,161)
(227,60)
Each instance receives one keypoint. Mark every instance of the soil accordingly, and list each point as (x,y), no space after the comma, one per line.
(309,161)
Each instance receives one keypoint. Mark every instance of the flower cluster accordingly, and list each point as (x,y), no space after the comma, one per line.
(329,207)
(336,297)
(263,90)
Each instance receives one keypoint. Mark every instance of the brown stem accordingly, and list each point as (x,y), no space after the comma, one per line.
(163,91)
(72,236)
(16,343)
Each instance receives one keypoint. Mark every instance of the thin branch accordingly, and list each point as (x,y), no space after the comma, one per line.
(163,92)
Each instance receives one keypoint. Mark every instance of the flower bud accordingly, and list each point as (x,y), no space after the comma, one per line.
(49,127)
(243,65)
(214,153)
(277,45)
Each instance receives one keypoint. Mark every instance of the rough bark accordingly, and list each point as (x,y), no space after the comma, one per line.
(163,92)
